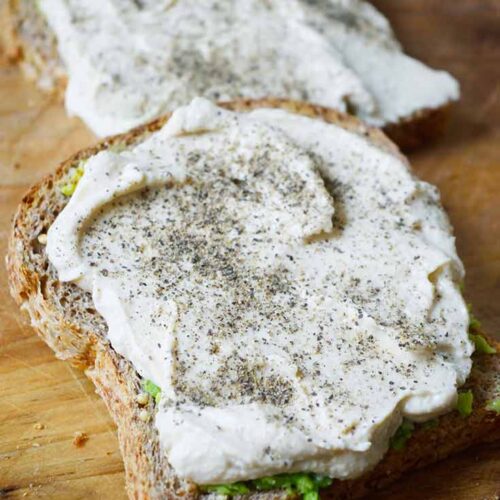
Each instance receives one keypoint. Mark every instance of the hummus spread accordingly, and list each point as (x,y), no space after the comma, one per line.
(291,287)
(129,61)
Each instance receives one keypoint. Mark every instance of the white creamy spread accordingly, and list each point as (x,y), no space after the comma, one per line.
(290,287)
(131,60)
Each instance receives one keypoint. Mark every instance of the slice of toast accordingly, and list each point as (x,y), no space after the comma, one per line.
(29,41)
(64,316)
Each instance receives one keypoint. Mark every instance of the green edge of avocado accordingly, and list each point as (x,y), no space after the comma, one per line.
(404,432)
(302,483)
(474,323)
(494,405)
(152,389)
(464,403)
(69,187)
(481,344)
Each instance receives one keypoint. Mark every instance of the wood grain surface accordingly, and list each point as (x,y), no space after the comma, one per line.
(44,402)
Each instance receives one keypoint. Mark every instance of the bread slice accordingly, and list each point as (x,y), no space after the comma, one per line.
(29,41)
(64,316)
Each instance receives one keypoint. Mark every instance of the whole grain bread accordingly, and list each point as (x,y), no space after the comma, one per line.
(64,316)
(29,41)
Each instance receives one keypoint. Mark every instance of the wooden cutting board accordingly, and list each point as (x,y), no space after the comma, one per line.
(44,402)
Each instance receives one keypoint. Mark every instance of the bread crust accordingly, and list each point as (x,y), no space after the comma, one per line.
(30,42)
(63,316)
(423,127)
(27,40)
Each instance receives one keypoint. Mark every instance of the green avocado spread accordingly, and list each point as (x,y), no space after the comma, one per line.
(69,187)
(302,483)
(152,389)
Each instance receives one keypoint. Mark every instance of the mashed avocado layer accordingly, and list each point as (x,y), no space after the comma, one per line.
(69,187)
(305,484)
(464,403)
(153,390)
